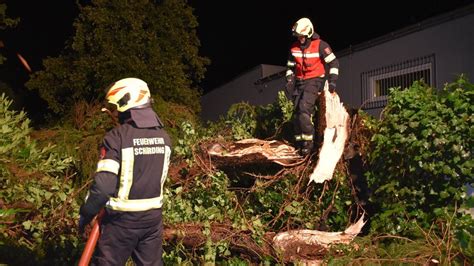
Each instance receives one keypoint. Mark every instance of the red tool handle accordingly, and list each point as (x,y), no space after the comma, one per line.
(92,241)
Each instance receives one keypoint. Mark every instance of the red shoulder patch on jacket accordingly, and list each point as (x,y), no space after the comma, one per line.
(327,50)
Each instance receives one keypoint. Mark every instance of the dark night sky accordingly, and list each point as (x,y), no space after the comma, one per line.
(238,36)
(235,35)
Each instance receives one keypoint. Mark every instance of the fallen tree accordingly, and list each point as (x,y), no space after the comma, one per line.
(260,171)
(289,246)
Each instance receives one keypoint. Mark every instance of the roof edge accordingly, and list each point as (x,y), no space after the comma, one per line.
(427,23)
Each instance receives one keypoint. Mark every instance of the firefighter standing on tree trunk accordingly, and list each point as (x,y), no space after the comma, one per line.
(309,61)
(131,172)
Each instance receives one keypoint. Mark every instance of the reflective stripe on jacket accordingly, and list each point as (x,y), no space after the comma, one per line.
(122,201)
(307,61)
(140,158)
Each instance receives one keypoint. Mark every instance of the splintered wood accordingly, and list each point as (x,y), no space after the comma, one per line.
(254,151)
(335,136)
(314,237)
(335,122)
(311,245)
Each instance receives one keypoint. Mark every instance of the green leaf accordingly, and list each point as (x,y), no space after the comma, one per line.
(27,224)
(62,196)
(469,202)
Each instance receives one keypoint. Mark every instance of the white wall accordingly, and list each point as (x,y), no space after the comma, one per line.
(242,89)
(452,43)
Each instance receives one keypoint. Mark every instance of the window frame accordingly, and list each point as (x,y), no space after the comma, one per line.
(371,100)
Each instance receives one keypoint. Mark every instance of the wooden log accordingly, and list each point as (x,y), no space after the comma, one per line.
(289,246)
(240,242)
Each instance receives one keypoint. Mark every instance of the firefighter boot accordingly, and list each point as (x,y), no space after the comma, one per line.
(306,148)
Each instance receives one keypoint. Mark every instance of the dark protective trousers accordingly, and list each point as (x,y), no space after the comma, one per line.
(116,244)
(304,99)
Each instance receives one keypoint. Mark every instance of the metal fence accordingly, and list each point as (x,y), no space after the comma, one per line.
(377,83)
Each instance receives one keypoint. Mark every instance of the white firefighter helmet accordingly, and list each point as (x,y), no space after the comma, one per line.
(303,27)
(128,93)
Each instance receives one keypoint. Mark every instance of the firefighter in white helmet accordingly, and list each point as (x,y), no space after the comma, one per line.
(131,172)
(311,61)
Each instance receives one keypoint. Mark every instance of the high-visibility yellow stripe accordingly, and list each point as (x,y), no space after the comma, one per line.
(124,204)
(108,165)
(290,63)
(303,137)
(126,173)
(135,204)
(329,58)
(334,70)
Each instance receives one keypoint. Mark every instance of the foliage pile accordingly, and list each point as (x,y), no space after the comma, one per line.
(37,198)
(42,185)
(251,200)
(421,161)
(236,205)
(415,208)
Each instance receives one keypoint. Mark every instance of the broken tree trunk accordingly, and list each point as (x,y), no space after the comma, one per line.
(333,129)
(240,242)
(335,120)
(312,245)
(251,151)
(290,246)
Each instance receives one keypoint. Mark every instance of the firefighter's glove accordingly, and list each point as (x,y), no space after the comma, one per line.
(332,87)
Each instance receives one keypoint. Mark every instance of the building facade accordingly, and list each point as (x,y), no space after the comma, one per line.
(436,50)
(244,88)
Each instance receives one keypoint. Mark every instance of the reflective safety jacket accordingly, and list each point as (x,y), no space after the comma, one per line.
(308,60)
(130,175)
